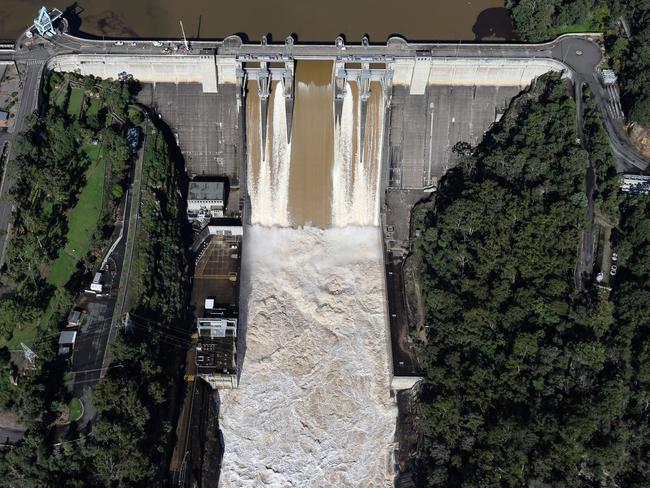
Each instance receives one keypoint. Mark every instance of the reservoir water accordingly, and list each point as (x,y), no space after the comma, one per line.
(311,20)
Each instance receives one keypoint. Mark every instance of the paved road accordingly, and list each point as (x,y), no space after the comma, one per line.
(10,436)
(584,68)
(104,314)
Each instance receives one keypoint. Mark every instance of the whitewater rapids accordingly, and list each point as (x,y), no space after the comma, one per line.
(313,406)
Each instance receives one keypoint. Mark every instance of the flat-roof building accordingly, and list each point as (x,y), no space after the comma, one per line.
(66,342)
(205,199)
(216,349)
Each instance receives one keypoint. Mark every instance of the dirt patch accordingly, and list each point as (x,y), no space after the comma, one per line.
(9,420)
(640,137)
(411,272)
(413,292)
(407,434)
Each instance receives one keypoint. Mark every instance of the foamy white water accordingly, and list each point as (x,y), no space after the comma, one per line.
(355,174)
(342,169)
(270,192)
(313,406)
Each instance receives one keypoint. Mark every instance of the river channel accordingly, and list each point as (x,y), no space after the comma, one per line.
(309,20)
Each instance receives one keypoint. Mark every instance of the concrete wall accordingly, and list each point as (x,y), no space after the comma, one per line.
(147,69)
(227,69)
(420,72)
(404,382)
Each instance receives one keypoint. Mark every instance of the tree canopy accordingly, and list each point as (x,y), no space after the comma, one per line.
(526,376)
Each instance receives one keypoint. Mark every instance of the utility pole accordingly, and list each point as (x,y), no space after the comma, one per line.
(184,38)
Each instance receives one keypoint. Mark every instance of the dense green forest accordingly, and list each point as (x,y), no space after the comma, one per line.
(129,443)
(528,379)
(634,56)
(542,20)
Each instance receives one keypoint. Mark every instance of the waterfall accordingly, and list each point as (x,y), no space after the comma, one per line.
(313,406)
(355,179)
(270,189)
(344,155)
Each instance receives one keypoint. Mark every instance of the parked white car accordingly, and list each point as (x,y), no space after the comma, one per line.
(157,43)
(119,43)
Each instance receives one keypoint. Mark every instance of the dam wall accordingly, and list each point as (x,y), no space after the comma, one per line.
(145,68)
(422,71)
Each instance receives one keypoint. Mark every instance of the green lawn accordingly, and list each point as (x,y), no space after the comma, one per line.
(76,410)
(22,333)
(574,29)
(82,221)
(61,98)
(92,108)
(75,101)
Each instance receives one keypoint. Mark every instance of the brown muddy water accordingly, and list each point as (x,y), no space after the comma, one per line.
(310,20)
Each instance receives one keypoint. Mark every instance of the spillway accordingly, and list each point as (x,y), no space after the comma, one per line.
(329,175)
(313,407)
(310,192)
(357,162)
(268,161)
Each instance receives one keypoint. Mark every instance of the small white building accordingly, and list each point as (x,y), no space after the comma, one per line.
(205,199)
(609,77)
(214,327)
(97,285)
(636,184)
(225,227)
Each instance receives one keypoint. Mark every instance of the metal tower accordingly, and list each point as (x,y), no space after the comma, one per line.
(43,23)
(30,355)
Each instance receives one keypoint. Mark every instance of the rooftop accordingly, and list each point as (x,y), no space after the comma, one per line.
(67,337)
(205,190)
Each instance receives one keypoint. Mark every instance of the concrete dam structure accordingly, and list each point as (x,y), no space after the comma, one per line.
(431,96)
(146,69)
(312,137)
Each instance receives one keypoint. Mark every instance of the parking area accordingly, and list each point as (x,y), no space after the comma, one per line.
(206,125)
(425,128)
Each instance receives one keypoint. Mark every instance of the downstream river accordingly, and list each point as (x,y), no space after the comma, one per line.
(310,20)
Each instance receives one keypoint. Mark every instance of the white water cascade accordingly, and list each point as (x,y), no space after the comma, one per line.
(313,406)
(356,173)
(270,192)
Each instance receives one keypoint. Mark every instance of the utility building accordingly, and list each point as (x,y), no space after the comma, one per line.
(215,299)
(216,349)
(205,199)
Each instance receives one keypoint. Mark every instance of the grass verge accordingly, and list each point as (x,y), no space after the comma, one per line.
(82,221)
(75,101)
(76,409)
